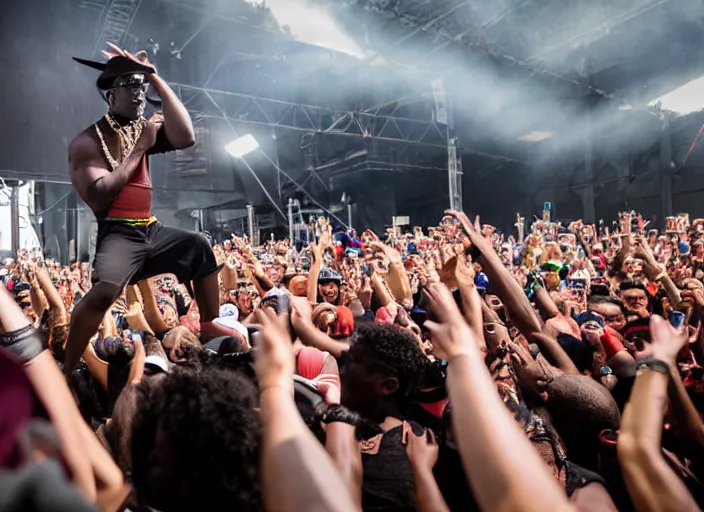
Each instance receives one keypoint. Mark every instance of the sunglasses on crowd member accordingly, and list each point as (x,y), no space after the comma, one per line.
(589,316)
(635,298)
(609,319)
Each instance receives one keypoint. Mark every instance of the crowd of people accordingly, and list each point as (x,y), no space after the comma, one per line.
(454,368)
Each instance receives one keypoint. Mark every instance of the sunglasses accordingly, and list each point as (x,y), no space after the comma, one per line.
(635,298)
(132,82)
(589,316)
(614,318)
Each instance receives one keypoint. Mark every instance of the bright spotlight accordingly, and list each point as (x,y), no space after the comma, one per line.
(536,136)
(242,146)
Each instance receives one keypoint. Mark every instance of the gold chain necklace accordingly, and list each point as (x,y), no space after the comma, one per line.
(127,135)
(106,151)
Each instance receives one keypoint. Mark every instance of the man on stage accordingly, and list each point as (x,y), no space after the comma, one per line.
(109,169)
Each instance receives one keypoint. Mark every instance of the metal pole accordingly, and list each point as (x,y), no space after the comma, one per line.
(589,210)
(665,172)
(276,160)
(454,164)
(290,220)
(250,222)
(349,214)
(15,218)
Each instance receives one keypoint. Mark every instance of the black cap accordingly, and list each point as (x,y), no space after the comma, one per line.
(114,68)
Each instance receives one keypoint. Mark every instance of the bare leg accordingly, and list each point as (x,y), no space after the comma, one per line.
(86,319)
(207,297)
(207,294)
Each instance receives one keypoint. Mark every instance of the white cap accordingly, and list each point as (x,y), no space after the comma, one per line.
(158,361)
(229,310)
(233,324)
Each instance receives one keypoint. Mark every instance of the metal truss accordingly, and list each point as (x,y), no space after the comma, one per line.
(249,109)
(244,108)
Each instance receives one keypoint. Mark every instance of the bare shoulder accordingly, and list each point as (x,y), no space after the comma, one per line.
(86,164)
(83,147)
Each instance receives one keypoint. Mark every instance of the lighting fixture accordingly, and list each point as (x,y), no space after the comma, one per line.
(242,146)
(536,136)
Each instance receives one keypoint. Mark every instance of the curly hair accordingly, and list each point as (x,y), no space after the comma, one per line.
(207,420)
(397,350)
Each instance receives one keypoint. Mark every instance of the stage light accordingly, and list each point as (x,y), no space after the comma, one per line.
(536,136)
(242,146)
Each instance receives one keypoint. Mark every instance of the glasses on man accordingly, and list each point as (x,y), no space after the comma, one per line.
(132,82)
(611,319)
(635,299)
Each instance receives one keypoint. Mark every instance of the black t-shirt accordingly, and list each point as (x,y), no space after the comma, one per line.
(388,484)
(452,481)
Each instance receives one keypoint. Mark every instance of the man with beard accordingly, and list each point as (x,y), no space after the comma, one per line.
(109,169)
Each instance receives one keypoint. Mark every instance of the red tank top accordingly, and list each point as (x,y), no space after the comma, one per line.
(135,200)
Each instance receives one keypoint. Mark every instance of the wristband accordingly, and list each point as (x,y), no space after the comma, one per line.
(337,413)
(24,343)
(654,365)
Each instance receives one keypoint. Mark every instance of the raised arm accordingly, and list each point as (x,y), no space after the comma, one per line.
(296,472)
(177,121)
(399,283)
(502,282)
(135,311)
(151,308)
(52,391)
(501,479)
(652,484)
(316,264)
(57,309)
(310,335)
(471,301)
(36,295)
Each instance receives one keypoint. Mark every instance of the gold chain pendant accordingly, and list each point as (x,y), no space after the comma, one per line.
(128,137)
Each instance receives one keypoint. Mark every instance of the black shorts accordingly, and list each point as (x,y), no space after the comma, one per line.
(128,254)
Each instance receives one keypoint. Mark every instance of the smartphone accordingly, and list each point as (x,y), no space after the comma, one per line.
(577,284)
(676,318)
(634,224)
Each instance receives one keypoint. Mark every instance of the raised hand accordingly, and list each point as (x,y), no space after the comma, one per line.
(666,341)
(316,252)
(141,57)
(275,361)
(389,252)
(473,231)
(422,450)
(150,132)
(448,331)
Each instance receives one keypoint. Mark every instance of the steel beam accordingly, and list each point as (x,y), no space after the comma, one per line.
(666,171)
(250,109)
